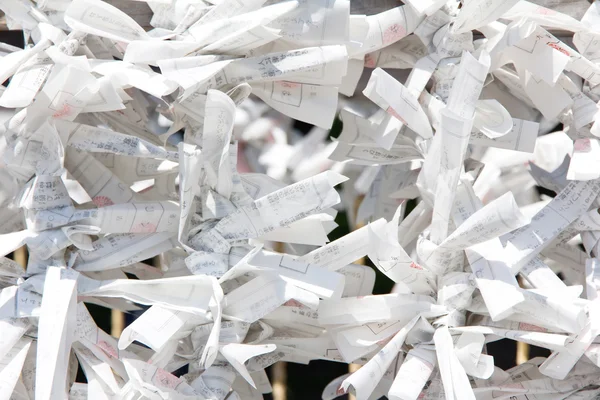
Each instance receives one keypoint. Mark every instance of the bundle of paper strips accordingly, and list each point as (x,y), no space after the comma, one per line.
(470,160)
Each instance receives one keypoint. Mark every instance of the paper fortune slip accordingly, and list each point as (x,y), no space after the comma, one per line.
(160,171)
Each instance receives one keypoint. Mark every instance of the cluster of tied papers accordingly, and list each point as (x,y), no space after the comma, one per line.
(468,164)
